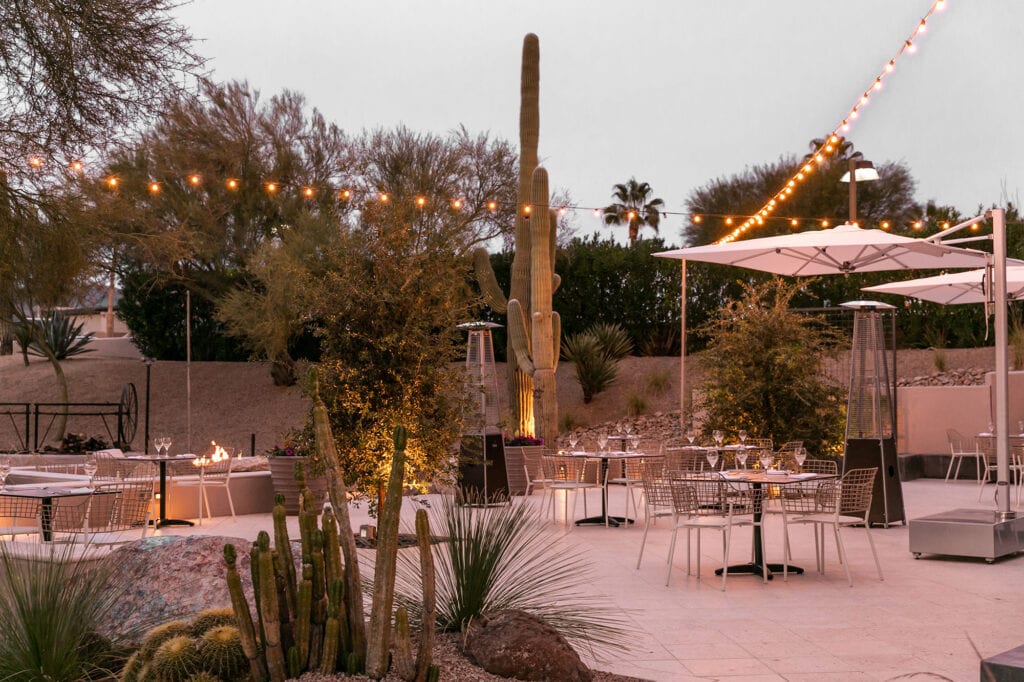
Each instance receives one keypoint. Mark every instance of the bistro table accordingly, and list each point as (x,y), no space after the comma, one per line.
(757,479)
(162,461)
(46,495)
(604,519)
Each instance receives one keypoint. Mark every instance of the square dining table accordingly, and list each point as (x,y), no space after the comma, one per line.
(758,478)
(46,494)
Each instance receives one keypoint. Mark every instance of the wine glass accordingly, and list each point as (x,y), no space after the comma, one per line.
(712,455)
(90,467)
(743,437)
(602,440)
(5,470)
(800,455)
(574,438)
(158,444)
(766,459)
(627,428)
(718,436)
(690,435)
(167,445)
(741,457)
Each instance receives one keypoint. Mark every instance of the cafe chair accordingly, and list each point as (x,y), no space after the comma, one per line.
(107,516)
(534,470)
(836,504)
(569,474)
(799,498)
(628,472)
(657,497)
(960,448)
(684,458)
(214,475)
(711,504)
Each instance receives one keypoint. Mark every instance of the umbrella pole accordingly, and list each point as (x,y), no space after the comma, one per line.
(1002,366)
(683,416)
(188,371)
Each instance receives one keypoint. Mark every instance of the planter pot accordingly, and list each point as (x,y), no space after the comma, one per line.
(516,456)
(282,473)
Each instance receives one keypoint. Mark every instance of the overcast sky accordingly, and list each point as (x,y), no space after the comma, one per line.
(674,92)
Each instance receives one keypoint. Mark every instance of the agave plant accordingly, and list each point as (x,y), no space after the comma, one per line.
(505,557)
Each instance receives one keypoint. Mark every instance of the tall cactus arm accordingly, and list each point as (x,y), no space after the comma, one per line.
(487,281)
(556,280)
(517,336)
(556,337)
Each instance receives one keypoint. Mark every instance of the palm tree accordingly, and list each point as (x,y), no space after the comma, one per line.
(633,208)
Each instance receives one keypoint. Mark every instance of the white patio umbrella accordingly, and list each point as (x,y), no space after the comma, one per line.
(970,286)
(839,250)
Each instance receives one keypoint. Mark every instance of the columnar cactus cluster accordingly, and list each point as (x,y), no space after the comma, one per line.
(534,329)
(312,619)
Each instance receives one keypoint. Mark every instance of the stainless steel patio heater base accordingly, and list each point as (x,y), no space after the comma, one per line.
(979,533)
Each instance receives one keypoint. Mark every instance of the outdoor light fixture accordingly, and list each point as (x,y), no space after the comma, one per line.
(861,170)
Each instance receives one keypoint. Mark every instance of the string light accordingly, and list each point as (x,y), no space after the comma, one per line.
(384,198)
(831,140)
(112,182)
(457,204)
(232,183)
(492,206)
(271,187)
(421,201)
(194,180)
(154,187)
(308,192)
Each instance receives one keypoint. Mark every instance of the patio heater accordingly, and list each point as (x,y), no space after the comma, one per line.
(871,411)
(482,472)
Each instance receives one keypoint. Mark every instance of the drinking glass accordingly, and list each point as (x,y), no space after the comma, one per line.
(167,445)
(90,469)
(800,455)
(158,444)
(602,441)
(992,428)
(718,436)
(743,437)
(712,456)
(690,435)
(574,438)
(5,470)
(627,428)
(741,457)
(1020,426)
(766,459)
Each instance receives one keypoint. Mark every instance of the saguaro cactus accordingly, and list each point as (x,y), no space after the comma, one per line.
(530,210)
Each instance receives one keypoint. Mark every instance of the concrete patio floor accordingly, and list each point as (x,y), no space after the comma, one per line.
(935,615)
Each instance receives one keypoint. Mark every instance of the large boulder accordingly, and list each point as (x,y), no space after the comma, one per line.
(158,579)
(516,644)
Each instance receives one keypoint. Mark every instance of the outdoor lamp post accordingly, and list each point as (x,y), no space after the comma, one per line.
(861,170)
(149,365)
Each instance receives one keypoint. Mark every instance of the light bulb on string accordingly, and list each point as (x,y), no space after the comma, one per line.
(345,195)
(492,206)
(383,197)
(271,187)
(76,166)
(112,182)
(308,192)
(421,202)
(232,184)
(457,204)
(154,187)
(194,180)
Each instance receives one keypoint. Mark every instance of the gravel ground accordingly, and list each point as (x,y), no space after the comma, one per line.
(456,668)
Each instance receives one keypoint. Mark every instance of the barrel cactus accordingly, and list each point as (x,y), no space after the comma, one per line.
(176,660)
(220,653)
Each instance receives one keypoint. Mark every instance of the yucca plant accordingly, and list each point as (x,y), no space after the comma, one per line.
(594,368)
(613,339)
(50,605)
(59,333)
(505,557)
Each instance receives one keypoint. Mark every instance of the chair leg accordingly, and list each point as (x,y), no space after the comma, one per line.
(671,553)
(952,460)
(842,553)
(643,542)
(871,542)
(231,502)
(726,537)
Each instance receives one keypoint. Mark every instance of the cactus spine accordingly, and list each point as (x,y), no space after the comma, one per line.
(528,267)
(426,648)
(378,635)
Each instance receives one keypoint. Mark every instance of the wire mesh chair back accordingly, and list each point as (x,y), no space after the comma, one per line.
(655,483)
(685,500)
(711,494)
(686,458)
(217,472)
(19,515)
(785,456)
(76,513)
(131,504)
(761,443)
(562,470)
(959,443)
(855,491)
(802,497)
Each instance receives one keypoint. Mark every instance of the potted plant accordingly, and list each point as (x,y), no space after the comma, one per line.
(521,453)
(297,447)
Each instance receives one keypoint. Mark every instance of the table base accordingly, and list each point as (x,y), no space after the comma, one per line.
(600,521)
(160,523)
(756,569)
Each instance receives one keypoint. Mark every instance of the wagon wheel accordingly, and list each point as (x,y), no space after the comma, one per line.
(128,415)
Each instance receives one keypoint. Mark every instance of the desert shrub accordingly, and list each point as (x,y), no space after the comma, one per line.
(568,421)
(50,607)
(765,371)
(613,339)
(505,557)
(658,382)
(636,405)
(77,443)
